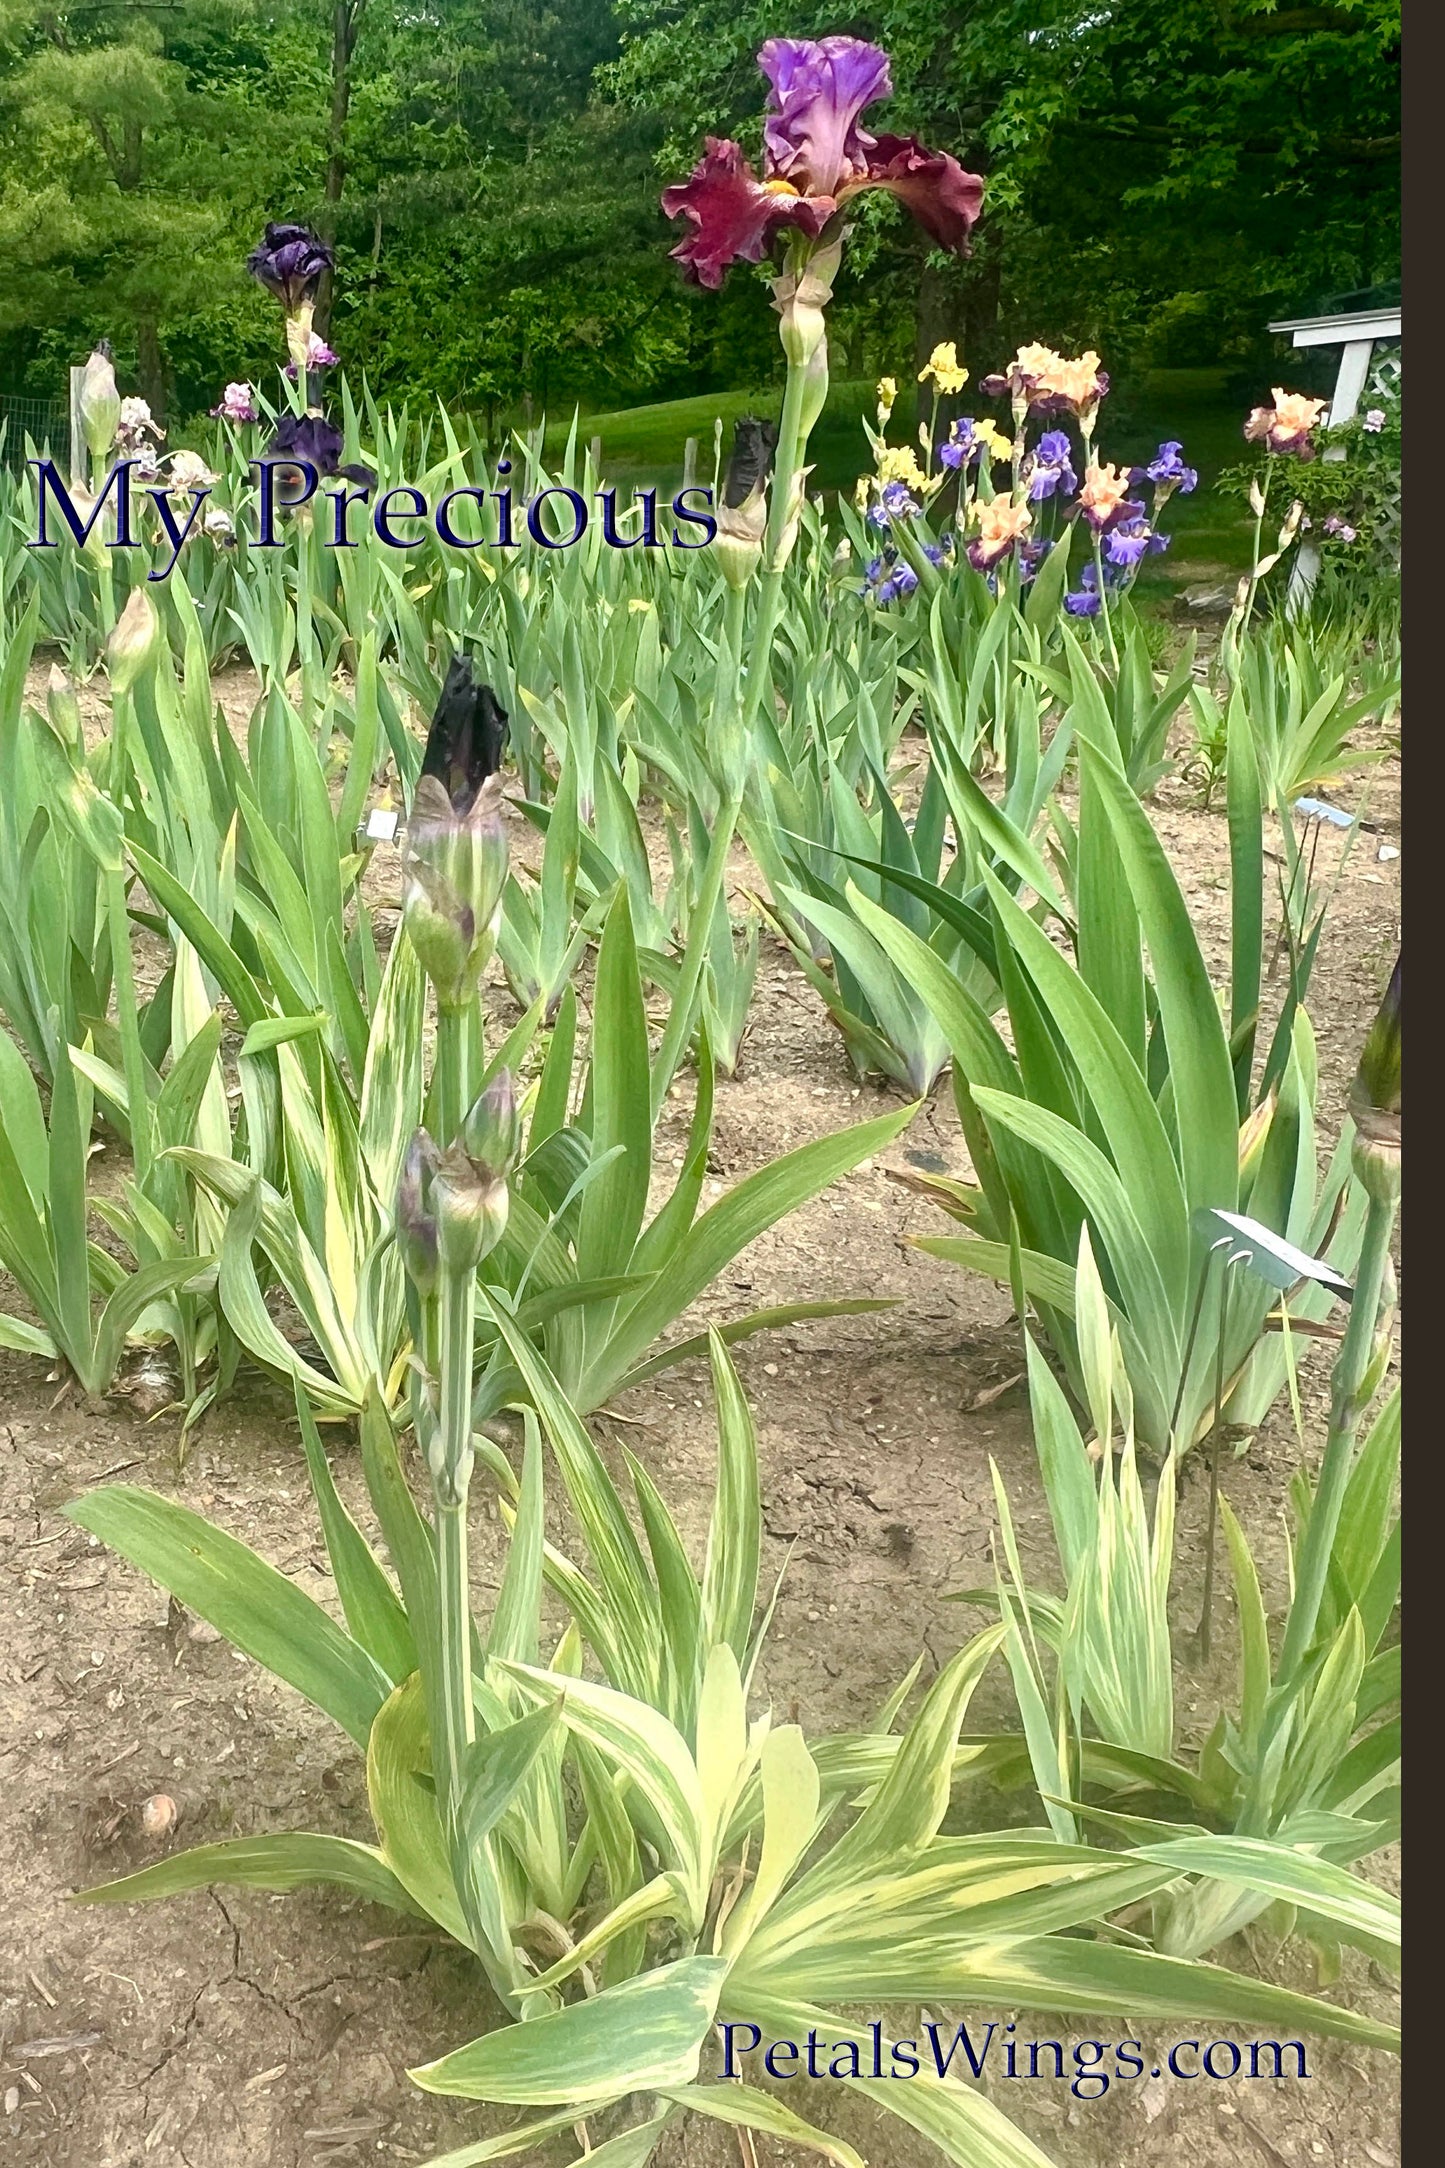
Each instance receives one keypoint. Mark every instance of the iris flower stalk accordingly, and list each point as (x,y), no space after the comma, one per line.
(1375,1157)
(451,1211)
(455,861)
(817,157)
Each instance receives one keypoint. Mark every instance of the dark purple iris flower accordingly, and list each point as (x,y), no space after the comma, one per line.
(467,734)
(1086,600)
(317,442)
(289,261)
(816,156)
(1050,466)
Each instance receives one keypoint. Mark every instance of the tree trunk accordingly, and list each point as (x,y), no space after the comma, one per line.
(345,23)
(151,367)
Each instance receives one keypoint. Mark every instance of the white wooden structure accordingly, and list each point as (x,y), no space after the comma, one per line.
(1356,333)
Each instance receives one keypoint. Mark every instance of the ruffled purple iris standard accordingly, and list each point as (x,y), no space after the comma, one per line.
(816,156)
(820,87)
(1049,467)
(290,262)
(894,504)
(1085,600)
(1167,466)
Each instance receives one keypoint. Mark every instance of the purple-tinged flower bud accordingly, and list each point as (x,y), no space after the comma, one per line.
(471,1209)
(131,648)
(492,1129)
(1375,1100)
(455,855)
(800,299)
(742,515)
(63,709)
(99,402)
(416,1226)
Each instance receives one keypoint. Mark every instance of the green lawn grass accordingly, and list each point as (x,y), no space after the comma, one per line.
(642,447)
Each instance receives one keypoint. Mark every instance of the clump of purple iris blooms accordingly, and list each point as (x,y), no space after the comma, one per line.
(961,444)
(939,552)
(1129,544)
(1167,466)
(1049,467)
(894,503)
(885,578)
(1340,529)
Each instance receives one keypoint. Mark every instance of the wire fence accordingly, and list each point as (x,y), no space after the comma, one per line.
(45,421)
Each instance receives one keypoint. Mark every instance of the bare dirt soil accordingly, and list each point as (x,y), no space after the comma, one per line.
(232,2027)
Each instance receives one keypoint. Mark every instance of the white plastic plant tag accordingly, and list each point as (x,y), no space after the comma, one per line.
(1276,1261)
(381,825)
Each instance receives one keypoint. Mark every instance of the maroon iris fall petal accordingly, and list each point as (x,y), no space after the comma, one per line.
(732,213)
(943,198)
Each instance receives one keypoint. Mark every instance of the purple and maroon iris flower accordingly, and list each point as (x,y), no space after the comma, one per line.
(816,156)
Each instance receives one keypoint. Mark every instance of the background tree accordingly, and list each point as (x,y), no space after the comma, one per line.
(1164,176)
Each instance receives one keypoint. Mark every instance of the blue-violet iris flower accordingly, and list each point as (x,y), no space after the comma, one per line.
(1167,466)
(1049,467)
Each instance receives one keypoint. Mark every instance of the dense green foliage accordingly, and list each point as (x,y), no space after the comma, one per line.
(1162,178)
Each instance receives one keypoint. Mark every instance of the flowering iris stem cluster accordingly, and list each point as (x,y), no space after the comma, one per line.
(1287,431)
(1010,530)
(451,1211)
(817,157)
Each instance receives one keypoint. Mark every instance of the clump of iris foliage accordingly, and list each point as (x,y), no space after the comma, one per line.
(420,1208)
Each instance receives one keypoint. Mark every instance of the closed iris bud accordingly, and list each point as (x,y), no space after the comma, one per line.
(800,299)
(492,1130)
(471,1209)
(742,516)
(131,648)
(456,841)
(99,402)
(1375,1101)
(815,388)
(416,1226)
(63,708)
